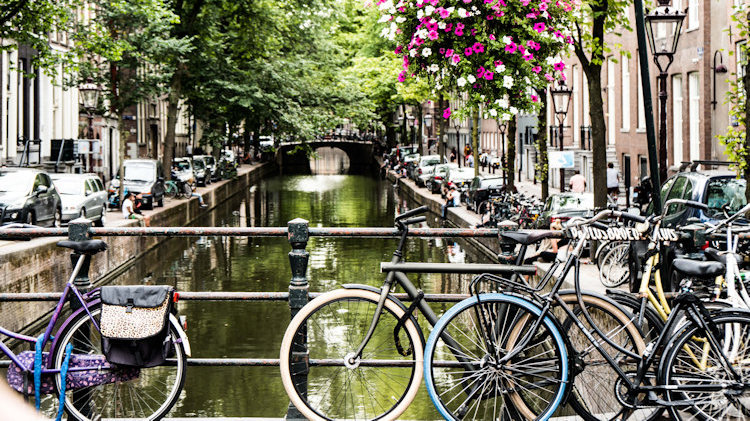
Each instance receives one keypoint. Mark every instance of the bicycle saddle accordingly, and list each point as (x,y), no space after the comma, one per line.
(697,269)
(89,247)
(528,237)
(714,255)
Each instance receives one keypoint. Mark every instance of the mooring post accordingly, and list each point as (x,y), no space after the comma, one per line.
(78,230)
(298,235)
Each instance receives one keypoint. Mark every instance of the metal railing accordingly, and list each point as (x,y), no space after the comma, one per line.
(298,233)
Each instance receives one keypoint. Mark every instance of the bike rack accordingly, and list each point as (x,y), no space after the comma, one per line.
(298,233)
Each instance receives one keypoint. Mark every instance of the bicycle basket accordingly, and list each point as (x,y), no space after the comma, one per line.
(135,324)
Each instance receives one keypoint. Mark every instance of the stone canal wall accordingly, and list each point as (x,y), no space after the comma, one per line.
(40,266)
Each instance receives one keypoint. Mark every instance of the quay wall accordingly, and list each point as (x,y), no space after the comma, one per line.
(40,266)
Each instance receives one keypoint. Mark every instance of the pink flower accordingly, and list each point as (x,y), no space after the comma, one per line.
(531,16)
(528,57)
(460,25)
(446,113)
(542,7)
(549,77)
(533,45)
(558,34)
(540,27)
(525,2)
(456,58)
(398,50)
(534,98)
(433,35)
(511,48)
(473,32)
(480,72)
(468,51)
(489,75)
(443,12)
(492,37)
(536,69)
(402,76)
(478,47)
(418,41)
(448,27)
(448,52)
(459,32)
(559,66)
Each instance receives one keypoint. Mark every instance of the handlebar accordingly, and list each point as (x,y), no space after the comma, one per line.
(415,220)
(739,213)
(691,203)
(412,212)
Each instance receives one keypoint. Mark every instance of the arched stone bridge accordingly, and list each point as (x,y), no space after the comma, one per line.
(360,153)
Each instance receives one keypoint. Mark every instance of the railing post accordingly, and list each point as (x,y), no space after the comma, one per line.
(298,235)
(78,230)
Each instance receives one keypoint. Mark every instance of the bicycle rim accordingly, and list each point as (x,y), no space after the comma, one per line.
(334,325)
(614,269)
(149,396)
(691,361)
(478,387)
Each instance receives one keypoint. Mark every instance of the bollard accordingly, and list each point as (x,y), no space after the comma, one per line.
(78,230)
(298,234)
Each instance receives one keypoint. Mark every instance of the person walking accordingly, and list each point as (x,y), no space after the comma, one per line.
(613,182)
(578,183)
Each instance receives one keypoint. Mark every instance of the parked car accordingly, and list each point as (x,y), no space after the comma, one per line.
(482,189)
(182,168)
(424,166)
(714,188)
(410,161)
(211,168)
(82,195)
(563,206)
(202,173)
(29,196)
(433,183)
(459,177)
(144,177)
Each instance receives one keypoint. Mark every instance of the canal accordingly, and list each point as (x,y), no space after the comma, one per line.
(254,330)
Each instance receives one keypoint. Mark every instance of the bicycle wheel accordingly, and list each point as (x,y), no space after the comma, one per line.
(334,325)
(593,393)
(462,373)
(690,361)
(170,190)
(614,270)
(146,393)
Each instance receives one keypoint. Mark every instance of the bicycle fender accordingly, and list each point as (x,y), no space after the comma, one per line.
(181,333)
(392,298)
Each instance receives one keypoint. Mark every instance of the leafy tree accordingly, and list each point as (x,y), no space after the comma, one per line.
(593,21)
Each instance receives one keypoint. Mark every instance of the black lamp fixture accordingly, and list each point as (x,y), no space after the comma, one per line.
(88,99)
(502,127)
(560,103)
(721,68)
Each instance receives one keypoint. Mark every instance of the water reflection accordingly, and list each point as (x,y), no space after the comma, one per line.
(254,330)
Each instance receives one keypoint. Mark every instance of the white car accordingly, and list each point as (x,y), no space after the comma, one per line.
(82,195)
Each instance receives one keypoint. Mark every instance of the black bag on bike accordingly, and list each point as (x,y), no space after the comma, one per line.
(135,324)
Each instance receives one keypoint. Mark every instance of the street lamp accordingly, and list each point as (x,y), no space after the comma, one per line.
(664,22)
(88,98)
(560,103)
(410,126)
(428,125)
(502,127)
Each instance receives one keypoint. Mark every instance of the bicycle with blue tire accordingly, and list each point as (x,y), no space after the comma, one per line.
(359,352)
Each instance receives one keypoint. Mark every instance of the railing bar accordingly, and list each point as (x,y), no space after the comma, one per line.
(221,296)
(274,362)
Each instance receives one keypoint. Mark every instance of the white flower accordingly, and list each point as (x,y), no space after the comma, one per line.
(507,82)
(434,68)
(493,112)
(500,68)
(513,110)
(413,53)
(420,14)
(471,79)
(442,25)
(400,19)
(388,4)
(429,9)
(450,9)
(419,2)
(462,12)
(461,82)
(422,33)
(384,33)
(505,117)
(507,40)
(384,18)
(503,103)
(426,52)
(551,60)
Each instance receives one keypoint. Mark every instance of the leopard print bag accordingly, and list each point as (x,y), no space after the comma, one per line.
(135,324)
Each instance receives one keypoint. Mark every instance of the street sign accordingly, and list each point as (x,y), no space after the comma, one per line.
(561,159)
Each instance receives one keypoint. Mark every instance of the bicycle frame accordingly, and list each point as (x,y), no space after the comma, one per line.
(83,299)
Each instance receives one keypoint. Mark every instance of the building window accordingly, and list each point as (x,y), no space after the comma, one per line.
(625,84)
(692,17)
(575,82)
(643,166)
(741,59)
(611,100)
(694,114)
(677,118)
(641,110)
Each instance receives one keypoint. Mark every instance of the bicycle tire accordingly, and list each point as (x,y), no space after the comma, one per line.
(496,380)
(676,368)
(149,396)
(170,190)
(315,322)
(614,270)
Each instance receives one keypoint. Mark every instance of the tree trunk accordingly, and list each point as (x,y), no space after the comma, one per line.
(441,130)
(403,126)
(511,156)
(172,108)
(598,134)
(746,154)
(124,134)
(475,140)
(541,169)
(420,132)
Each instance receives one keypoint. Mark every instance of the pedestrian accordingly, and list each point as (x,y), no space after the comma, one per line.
(128,210)
(578,183)
(453,155)
(451,200)
(613,182)
(470,161)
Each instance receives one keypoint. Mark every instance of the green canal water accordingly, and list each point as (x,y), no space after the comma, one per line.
(255,330)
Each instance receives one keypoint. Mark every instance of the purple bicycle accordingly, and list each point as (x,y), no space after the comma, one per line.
(69,360)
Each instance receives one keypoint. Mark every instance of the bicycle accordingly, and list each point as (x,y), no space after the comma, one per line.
(357,352)
(94,389)
(703,353)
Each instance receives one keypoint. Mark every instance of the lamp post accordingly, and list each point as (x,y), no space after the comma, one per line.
(428,125)
(88,99)
(663,22)
(560,103)
(410,126)
(502,127)
(721,68)
(459,151)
